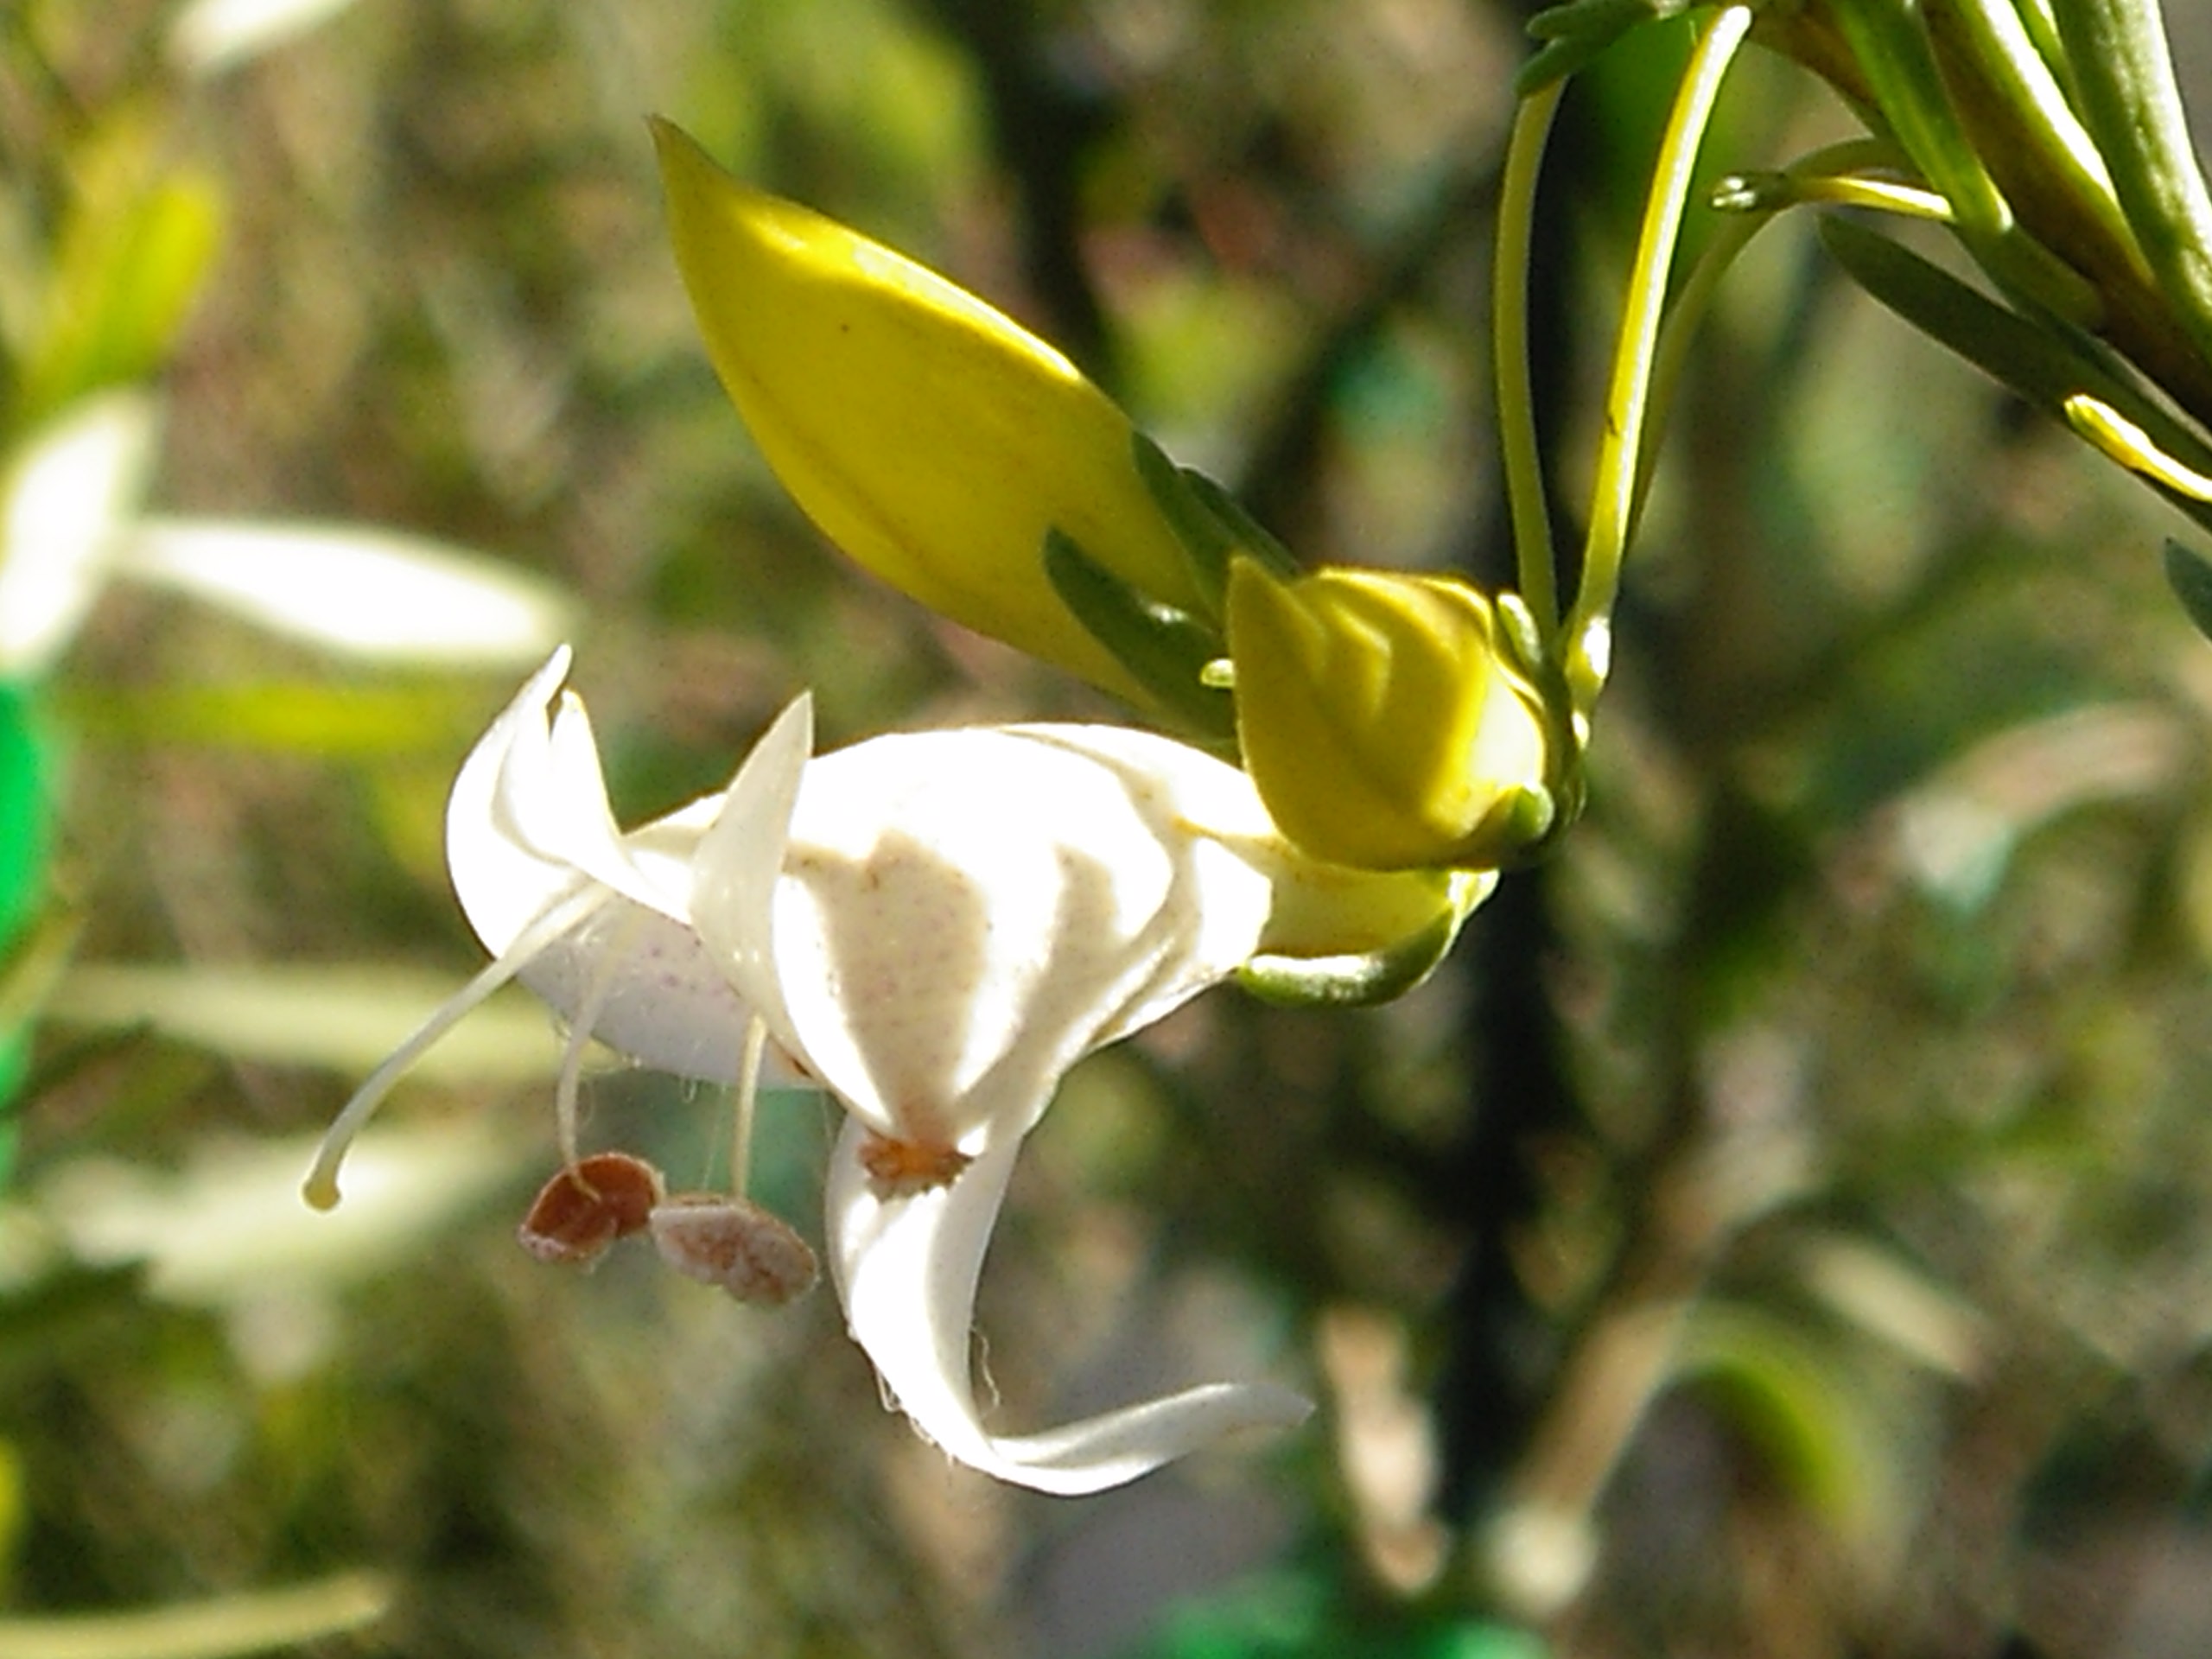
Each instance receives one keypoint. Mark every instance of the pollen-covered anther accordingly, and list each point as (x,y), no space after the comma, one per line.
(901,1168)
(719,1239)
(587,1205)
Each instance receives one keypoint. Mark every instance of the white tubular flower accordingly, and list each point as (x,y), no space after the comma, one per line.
(937,926)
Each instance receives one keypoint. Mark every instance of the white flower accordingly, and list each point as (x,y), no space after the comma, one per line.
(936,926)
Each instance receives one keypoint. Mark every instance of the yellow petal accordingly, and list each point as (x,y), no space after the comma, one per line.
(1382,721)
(928,435)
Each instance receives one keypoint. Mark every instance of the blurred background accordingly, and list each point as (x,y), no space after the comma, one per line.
(1785,1227)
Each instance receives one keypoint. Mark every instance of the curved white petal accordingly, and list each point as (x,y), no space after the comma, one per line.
(528,830)
(500,882)
(739,861)
(905,1269)
(963,914)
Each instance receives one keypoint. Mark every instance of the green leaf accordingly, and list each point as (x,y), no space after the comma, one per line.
(254,1621)
(344,1019)
(1825,1427)
(134,251)
(283,716)
(2190,577)
(1209,522)
(1889,41)
(2042,362)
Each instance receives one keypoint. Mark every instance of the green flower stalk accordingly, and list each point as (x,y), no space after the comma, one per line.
(930,437)
(1396,721)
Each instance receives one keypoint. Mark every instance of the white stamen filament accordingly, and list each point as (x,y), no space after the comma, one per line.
(748,1090)
(321,1188)
(597,990)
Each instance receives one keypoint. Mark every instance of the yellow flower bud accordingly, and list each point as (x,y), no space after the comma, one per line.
(1385,720)
(931,438)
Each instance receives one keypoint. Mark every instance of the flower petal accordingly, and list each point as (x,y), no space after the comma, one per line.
(963,914)
(740,860)
(528,828)
(547,801)
(906,1267)
(501,883)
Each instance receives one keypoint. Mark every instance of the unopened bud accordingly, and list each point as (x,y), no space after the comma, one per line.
(930,437)
(1388,721)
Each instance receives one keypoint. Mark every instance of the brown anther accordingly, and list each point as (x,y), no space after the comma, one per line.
(732,1242)
(899,1169)
(587,1205)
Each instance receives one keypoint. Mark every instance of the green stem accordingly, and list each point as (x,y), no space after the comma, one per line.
(1613,501)
(1998,38)
(1823,176)
(1516,405)
(2125,72)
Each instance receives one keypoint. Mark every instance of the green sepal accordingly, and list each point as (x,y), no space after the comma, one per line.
(2189,575)
(1361,980)
(1518,633)
(1250,535)
(1165,649)
(2046,365)
(1209,523)
(1576,33)
(1527,819)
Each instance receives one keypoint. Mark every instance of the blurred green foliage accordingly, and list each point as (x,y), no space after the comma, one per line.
(1804,1182)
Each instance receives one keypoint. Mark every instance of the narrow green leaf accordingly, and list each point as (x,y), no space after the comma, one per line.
(1890,43)
(340,1018)
(1167,650)
(220,1628)
(284,715)
(1209,522)
(134,252)
(2190,577)
(1206,546)
(2040,363)
(1250,535)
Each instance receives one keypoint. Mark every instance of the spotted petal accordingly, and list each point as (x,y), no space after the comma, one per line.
(960,916)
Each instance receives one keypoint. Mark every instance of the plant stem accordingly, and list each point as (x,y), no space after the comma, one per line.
(2125,72)
(1516,407)
(1613,498)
